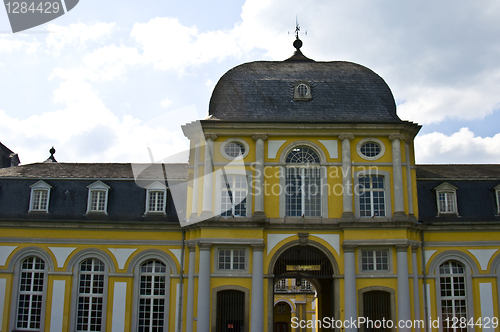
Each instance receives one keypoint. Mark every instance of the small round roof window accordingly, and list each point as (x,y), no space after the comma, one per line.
(302,91)
(234,149)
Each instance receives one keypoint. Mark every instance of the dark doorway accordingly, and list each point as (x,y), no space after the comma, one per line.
(376,307)
(230,311)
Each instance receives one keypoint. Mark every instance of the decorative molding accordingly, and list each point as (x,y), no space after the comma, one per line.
(303,238)
(273,147)
(258,247)
(346,136)
(483,256)
(401,137)
(274,239)
(259,136)
(213,137)
(428,255)
(331,146)
(177,254)
(331,239)
(121,255)
(61,254)
(5,252)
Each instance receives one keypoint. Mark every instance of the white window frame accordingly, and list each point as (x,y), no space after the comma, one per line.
(448,190)
(32,293)
(373,252)
(153,296)
(157,187)
(92,295)
(231,270)
(297,95)
(387,190)
(453,298)
(234,140)
(134,267)
(37,189)
(370,191)
(370,140)
(497,198)
(219,176)
(95,187)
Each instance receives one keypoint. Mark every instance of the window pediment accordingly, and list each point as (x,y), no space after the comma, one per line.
(445,186)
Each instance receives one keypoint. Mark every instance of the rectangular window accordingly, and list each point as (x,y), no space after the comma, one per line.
(234,196)
(371,196)
(375,260)
(90,295)
(30,294)
(40,198)
(231,259)
(156,201)
(98,201)
(498,200)
(303,192)
(446,202)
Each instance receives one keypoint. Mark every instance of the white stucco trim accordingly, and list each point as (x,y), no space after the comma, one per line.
(332,239)
(483,256)
(273,147)
(5,252)
(331,146)
(121,255)
(274,239)
(61,254)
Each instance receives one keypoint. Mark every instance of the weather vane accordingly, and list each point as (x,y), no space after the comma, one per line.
(297,28)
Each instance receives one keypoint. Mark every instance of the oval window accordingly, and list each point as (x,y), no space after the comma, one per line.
(234,149)
(370,149)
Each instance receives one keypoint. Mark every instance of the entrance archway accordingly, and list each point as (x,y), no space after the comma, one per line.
(305,273)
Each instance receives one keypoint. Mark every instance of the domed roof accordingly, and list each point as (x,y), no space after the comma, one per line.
(264,91)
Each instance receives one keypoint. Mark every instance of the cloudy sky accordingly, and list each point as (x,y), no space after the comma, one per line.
(109,79)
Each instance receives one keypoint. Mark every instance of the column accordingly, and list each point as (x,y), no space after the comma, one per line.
(346,175)
(203,324)
(408,179)
(196,171)
(404,310)
(397,174)
(416,295)
(190,290)
(259,175)
(257,309)
(208,176)
(350,303)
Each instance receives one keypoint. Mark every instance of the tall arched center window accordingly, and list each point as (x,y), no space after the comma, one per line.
(303,183)
(90,295)
(152,310)
(453,296)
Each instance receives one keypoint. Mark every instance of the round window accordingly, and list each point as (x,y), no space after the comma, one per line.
(302,90)
(234,149)
(370,149)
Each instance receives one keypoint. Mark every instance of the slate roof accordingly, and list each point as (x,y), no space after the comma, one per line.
(262,91)
(476,199)
(96,171)
(69,193)
(459,171)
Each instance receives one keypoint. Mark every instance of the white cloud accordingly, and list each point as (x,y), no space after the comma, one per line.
(10,43)
(165,102)
(461,147)
(85,130)
(78,33)
(110,62)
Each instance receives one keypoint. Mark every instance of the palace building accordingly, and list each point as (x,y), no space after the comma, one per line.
(300,208)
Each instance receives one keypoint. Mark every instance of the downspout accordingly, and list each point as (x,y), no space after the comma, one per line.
(181,277)
(426,308)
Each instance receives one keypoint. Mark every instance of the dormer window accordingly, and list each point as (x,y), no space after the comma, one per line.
(156,198)
(446,199)
(40,194)
(302,91)
(98,198)
(497,195)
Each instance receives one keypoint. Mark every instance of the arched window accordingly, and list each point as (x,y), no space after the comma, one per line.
(303,183)
(31,300)
(91,292)
(453,296)
(152,296)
